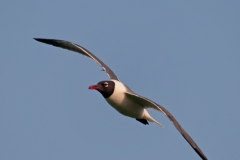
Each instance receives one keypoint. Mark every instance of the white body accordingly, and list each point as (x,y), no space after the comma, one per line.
(119,101)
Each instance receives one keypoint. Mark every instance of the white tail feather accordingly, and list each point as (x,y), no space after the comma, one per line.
(149,118)
(154,121)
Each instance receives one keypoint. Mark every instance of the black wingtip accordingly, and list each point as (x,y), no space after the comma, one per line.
(39,39)
(48,41)
(53,42)
(200,154)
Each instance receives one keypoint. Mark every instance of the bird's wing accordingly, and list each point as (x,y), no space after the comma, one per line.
(150,104)
(76,48)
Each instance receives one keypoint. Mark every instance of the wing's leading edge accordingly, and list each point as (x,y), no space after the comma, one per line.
(150,104)
(76,48)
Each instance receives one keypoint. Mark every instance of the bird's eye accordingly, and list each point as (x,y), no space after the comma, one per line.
(105,84)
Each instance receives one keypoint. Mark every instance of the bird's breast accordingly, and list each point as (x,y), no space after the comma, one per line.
(122,104)
(118,96)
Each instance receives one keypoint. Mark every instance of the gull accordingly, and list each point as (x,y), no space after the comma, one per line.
(121,97)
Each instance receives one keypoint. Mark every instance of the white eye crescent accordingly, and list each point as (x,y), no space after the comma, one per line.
(105,84)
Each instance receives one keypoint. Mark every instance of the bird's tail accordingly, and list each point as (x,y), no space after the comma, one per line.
(154,121)
(149,118)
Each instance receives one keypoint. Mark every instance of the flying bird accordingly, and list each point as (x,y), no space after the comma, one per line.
(121,97)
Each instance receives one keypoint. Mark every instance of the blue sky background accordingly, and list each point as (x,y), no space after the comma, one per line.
(182,54)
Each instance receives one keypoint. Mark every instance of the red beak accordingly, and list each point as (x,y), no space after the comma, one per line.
(93,87)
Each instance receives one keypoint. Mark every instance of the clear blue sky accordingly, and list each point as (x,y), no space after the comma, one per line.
(182,54)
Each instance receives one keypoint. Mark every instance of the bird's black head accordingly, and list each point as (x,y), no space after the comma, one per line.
(106,88)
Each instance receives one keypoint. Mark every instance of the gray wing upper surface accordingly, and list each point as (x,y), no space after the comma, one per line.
(76,48)
(147,103)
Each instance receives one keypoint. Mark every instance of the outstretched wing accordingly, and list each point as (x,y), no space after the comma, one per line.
(76,48)
(150,104)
